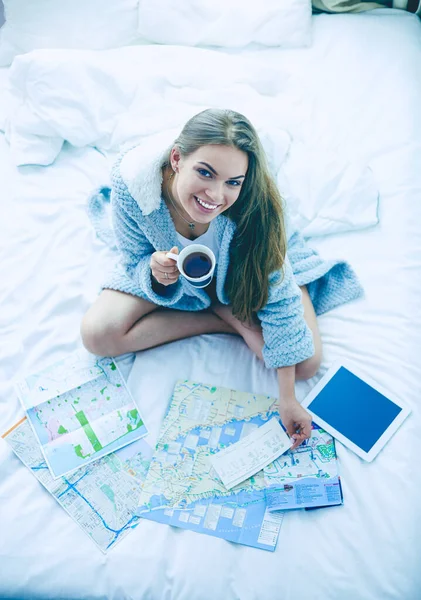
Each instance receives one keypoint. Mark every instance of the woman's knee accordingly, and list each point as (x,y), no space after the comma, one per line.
(99,337)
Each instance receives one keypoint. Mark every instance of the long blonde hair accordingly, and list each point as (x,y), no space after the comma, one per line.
(259,244)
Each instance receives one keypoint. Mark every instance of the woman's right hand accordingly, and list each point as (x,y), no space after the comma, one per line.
(164,269)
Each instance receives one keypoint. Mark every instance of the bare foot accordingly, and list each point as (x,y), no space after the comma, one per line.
(251,333)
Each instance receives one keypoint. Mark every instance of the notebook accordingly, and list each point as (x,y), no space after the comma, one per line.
(355,410)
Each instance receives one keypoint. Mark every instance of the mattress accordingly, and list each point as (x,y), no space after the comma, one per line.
(361,74)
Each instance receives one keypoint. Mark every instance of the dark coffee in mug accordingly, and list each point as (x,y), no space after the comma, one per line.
(197,264)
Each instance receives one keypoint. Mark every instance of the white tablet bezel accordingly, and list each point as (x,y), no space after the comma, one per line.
(387,434)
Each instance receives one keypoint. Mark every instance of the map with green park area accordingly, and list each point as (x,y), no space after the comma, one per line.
(83,423)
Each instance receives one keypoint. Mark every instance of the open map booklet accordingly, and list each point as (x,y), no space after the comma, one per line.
(176,484)
(305,478)
(80,410)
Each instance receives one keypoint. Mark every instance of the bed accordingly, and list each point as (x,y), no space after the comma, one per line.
(361,108)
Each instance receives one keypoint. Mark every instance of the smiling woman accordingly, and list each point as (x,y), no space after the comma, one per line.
(220,167)
(201,184)
(213,186)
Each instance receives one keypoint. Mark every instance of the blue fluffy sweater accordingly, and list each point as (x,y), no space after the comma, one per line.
(142,225)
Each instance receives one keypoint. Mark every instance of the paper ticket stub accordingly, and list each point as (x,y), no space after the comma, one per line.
(245,458)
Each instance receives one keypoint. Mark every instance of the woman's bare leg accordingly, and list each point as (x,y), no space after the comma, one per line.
(252,335)
(118,323)
(163,326)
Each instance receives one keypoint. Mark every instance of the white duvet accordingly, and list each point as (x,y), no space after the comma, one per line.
(341,142)
(107,99)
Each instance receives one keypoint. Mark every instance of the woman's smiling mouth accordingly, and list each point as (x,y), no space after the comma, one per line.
(205,205)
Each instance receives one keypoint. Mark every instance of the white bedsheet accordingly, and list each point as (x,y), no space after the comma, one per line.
(368,549)
(5,97)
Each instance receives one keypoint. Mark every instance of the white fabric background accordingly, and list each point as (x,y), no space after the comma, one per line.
(229,24)
(95,24)
(102,24)
(362,77)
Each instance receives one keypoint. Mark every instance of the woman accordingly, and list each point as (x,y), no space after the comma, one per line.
(213,186)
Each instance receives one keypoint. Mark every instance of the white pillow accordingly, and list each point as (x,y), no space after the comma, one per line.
(227,23)
(107,98)
(104,24)
(325,192)
(84,24)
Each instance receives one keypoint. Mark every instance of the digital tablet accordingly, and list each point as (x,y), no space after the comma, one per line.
(355,410)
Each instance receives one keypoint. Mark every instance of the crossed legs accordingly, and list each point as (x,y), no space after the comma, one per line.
(118,323)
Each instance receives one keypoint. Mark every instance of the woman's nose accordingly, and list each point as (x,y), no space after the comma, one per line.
(216,193)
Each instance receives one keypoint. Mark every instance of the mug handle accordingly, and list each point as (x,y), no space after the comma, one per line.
(172,255)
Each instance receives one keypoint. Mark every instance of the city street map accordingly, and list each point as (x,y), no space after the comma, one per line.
(183,489)
(101,497)
(80,410)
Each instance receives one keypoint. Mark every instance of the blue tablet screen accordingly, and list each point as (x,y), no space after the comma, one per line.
(354,408)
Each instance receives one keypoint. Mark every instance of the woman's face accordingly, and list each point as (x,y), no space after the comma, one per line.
(209,180)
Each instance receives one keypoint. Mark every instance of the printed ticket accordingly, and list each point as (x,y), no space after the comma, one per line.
(246,457)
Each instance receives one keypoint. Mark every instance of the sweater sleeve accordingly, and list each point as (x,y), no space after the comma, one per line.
(288,339)
(136,251)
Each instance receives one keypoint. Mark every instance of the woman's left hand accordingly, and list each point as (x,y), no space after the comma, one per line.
(296,420)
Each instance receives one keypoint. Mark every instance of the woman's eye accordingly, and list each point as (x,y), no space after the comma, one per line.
(204,172)
(234,183)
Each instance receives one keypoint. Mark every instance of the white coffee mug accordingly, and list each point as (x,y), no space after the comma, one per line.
(196,263)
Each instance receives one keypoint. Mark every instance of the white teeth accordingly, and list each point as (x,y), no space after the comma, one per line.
(205,205)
